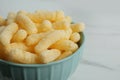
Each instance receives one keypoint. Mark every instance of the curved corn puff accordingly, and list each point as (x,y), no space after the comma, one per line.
(78,27)
(35,38)
(46,25)
(65,45)
(21,56)
(2,21)
(19,36)
(7,34)
(26,23)
(64,55)
(75,37)
(12,46)
(49,39)
(47,56)
(2,28)
(11,17)
(61,25)
(59,15)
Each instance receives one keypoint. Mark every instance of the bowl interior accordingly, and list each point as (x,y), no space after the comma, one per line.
(80,44)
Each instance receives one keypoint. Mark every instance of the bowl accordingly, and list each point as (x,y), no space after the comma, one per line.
(58,70)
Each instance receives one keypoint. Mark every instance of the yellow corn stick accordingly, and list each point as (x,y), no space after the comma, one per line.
(49,55)
(41,15)
(26,23)
(78,27)
(65,45)
(64,55)
(47,15)
(68,33)
(59,15)
(38,16)
(46,25)
(11,18)
(2,28)
(11,46)
(2,21)
(49,39)
(19,36)
(7,34)
(22,12)
(75,37)
(33,39)
(21,56)
(61,25)
(68,19)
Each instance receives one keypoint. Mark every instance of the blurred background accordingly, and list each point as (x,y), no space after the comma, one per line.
(101,58)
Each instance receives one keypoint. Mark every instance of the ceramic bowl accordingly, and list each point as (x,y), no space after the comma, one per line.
(58,70)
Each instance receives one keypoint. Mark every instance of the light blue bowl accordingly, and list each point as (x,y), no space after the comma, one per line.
(58,70)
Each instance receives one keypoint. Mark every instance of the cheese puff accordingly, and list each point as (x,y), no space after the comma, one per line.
(11,18)
(65,45)
(78,27)
(46,25)
(41,15)
(7,34)
(75,37)
(19,36)
(47,15)
(26,23)
(38,16)
(68,19)
(22,12)
(61,25)
(68,33)
(2,21)
(34,17)
(59,15)
(21,56)
(49,39)
(2,28)
(11,46)
(35,38)
(64,55)
(47,56)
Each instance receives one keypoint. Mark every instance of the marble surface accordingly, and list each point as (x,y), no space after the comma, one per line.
(101,59)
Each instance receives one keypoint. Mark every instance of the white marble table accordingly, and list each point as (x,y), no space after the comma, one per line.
(101,59)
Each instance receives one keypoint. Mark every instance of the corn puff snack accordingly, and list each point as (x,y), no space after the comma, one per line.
(75,37)
(65,45)
(45,26)
(7,34)
(38,37)
(19,36)
(2,21)
(26,23)
(64,55)
(47,56)
(61,25)
(20,56)
(11,17)
(49,39)
(35,38)
(78,27)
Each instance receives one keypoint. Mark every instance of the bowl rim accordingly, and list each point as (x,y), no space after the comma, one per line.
(48,64)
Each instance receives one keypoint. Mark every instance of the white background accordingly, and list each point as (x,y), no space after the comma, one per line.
(101,59)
